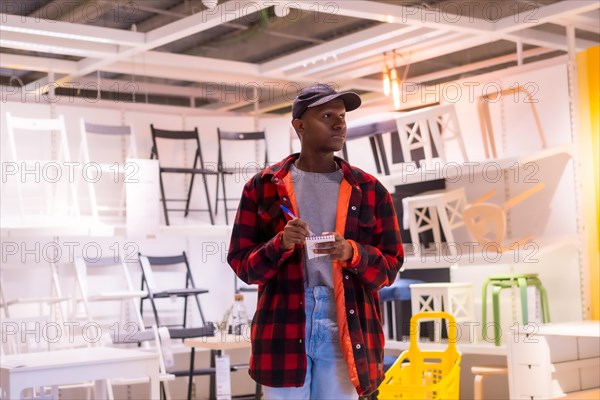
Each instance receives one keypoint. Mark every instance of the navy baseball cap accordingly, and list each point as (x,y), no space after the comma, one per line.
(321,93)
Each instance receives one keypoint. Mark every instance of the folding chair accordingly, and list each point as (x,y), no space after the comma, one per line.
(228,138)
(63,156)
(167,268)
(47,304)
(108,272)
(108,136)
(144,337)
(198,168)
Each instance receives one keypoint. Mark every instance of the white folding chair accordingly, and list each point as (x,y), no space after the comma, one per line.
(48,302)
(50,125)
(92,277)
(107,136)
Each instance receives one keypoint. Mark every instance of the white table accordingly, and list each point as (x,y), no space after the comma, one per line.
(60,367)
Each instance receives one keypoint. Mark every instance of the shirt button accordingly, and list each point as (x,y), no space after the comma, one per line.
(346,276)
(276,179)
(300,341)
(353,208)
(351,311)
(284,199)
(358,347)
(301,303)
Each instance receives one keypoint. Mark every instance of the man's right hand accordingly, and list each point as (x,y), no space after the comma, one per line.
(295,231)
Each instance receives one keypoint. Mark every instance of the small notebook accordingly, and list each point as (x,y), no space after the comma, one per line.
(311,241)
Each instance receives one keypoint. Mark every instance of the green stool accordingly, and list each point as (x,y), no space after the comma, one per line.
(499,282)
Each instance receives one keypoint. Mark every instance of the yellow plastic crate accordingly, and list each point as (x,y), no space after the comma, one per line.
(431,374)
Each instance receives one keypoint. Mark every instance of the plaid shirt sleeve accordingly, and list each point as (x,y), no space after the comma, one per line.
(378,260)
(255,252)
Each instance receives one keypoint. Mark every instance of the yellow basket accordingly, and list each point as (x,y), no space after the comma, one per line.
(431,374)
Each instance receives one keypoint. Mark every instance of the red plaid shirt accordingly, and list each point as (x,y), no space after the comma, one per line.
(368,222)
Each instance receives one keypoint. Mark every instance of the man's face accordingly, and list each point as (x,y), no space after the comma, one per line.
(323,128)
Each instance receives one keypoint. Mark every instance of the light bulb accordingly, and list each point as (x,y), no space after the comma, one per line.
(210,4)
(396,93)
(386,82)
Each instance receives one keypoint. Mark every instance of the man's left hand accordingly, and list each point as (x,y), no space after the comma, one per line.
(339,249)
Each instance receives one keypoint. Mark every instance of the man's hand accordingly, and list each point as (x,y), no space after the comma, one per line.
(339,249)
(295,231)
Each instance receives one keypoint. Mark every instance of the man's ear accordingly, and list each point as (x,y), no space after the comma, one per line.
(298,125)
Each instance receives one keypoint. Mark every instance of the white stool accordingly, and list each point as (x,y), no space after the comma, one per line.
(453,298)
(429,210)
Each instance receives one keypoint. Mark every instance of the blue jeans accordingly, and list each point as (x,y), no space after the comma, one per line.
(327,372)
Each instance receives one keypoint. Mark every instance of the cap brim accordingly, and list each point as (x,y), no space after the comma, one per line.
(351,100)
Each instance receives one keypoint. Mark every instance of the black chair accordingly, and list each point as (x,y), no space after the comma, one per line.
(198,168)
(230,167)
(169,264)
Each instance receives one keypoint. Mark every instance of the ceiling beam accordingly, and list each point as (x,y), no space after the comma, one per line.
(41,64)
(47,44)
(581,22)
(541,15)
(405,43)
(367,37)
(397,14)
(547,39)
(66,30)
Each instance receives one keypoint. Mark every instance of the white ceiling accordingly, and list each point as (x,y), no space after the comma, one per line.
(179,52)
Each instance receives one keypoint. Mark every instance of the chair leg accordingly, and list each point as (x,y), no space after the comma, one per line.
(522,282)
(217,194)
(210,213)
(164,199)
(224,198)
(375,155)
(200,310)
(189,196)
(543,300)
(496,305)
(484,310)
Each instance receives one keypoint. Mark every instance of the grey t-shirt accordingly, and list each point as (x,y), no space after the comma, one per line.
(317,196)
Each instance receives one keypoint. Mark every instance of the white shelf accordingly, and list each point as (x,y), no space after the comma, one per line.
(488,349)
(477,256)
(85,226)
(409,173)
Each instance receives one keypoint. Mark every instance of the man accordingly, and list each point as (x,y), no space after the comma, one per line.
(317,329)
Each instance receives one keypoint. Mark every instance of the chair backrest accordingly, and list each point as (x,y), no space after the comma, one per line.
(153,265)
(182,135)
(257,137)
(44,299)
(48,125)
(113,269)
(106,134)
(107,280)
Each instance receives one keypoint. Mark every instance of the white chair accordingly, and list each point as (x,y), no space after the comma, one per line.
(107,136)
(48,125)
(429,211)
(48,301)
(92,278)
(417,130)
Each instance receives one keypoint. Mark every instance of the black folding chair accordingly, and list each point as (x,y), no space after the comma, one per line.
(229,167)
(151,266)
(198,168)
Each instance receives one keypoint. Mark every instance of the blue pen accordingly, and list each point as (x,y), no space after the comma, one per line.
(291,214)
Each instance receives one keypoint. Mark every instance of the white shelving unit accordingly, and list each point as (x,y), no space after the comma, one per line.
(555,360)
